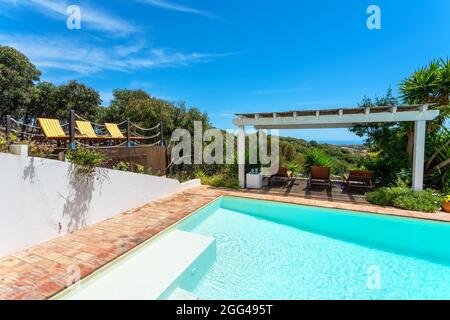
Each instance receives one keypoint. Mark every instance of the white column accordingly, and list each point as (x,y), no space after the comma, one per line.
(419,155)
(241,155)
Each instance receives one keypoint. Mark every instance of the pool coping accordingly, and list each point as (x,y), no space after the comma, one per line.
(129,253)
(439,216)
(38,267)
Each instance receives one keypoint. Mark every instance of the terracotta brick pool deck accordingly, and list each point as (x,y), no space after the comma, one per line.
(46,269)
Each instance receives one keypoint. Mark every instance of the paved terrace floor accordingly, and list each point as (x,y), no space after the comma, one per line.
(46,269)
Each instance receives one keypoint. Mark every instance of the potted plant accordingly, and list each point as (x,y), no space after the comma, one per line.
(446,204)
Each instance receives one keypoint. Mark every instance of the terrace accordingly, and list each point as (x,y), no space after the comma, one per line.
(299,189)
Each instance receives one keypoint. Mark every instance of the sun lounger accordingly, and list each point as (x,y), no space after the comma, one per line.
(281,175)
(116,134)
(320,176)
(359,179)
(87,132)
(52,129)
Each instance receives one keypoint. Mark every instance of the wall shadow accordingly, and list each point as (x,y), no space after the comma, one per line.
(29,172)
(77,204)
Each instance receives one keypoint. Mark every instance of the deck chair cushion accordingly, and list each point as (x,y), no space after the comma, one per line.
(320,173)
(114,131)
(51,128)
(86,129)
(360,175)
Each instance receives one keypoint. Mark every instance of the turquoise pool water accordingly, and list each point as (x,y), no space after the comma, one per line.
(268,250)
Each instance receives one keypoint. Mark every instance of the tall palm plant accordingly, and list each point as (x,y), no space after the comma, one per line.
(431,85)
(317,157)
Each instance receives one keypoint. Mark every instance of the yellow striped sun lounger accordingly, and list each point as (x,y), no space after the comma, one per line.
(86,130)
(52,128)
(114,131)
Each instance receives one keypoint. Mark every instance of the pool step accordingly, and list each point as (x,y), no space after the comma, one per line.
(181,294)
(150,270)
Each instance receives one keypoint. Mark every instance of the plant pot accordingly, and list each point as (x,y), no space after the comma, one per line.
(446,206)
(19,149)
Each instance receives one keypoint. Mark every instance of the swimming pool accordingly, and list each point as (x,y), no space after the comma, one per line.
(252,249)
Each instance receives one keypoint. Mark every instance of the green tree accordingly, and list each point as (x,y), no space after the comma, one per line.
(17,77)
(146,111)
(388,143)
(79,97)
(431,84)
(393,143)
(45,101)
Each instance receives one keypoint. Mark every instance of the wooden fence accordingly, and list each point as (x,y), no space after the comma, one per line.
(153,158)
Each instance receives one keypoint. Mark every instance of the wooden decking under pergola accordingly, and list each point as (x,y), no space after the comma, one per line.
(341,118)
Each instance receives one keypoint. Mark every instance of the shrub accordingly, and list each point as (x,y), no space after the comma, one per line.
(427,201)
(121,166)
(180,176)
(138,168)
(37,149)
(4,146)
(404,198)
(223,180)
(385,196)
(152,172)
(85,159)
(381,197)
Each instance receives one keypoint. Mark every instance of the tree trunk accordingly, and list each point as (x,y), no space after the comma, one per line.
(410,145)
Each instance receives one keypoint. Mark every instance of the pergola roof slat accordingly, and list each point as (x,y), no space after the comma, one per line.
(335,118)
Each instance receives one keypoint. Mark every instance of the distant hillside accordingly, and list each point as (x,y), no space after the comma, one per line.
(346,157)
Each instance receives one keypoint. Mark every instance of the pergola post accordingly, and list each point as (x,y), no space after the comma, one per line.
(419,155)
(241,155)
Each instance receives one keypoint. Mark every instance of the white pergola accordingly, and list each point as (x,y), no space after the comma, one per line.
(341,118)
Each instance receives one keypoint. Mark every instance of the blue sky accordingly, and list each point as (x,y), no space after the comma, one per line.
(227,56)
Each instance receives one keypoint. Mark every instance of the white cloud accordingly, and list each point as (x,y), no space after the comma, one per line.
(90,17)
(180,8)
(63,54)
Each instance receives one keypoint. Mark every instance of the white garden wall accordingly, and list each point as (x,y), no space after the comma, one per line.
(41,199)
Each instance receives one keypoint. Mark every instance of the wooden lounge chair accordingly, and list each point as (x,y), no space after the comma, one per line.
(320,176)
(116,134)
(52,129)
(87,132)
(114,131)
(359,179)
(282,174)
